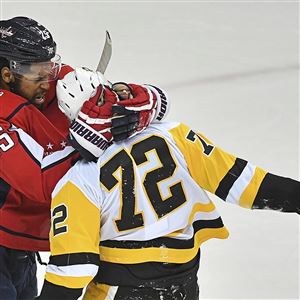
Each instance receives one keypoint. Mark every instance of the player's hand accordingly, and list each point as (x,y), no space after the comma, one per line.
(90,132)
(135,110)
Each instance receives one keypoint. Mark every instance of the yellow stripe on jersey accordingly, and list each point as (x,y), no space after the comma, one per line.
(170,255)
(206,170)
(249,194)
(82,223)
(96,291)
(200,207)
(68,281)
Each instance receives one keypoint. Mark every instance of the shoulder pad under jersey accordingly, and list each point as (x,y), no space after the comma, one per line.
(10,103)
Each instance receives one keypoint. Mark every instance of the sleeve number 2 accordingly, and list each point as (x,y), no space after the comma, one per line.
(59,216)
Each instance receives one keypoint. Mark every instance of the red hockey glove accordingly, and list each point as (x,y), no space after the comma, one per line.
(135,110)
(90,131)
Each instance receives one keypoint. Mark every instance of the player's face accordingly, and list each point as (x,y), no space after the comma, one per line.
(32,80)
(34,84)
(122,90)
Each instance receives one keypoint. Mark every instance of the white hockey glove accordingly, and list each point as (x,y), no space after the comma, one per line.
(138,106)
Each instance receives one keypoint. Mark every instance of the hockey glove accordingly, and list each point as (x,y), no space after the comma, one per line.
(134,114)
(90,132)
(138,107)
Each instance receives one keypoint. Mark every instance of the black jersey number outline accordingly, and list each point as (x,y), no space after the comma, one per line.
(129,217)
(59,216)
(207,148)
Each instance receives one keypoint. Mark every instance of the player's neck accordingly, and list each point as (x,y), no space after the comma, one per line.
(4,86)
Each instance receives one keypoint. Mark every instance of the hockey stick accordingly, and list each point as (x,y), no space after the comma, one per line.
(106,54)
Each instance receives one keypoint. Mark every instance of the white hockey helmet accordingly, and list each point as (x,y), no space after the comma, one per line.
(75,88)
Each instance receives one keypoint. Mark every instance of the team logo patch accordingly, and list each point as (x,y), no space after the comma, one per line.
(5,32)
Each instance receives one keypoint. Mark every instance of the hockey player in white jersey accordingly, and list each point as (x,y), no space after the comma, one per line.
(131,224)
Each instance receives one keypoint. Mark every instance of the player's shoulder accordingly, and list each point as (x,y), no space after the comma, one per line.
(83,176)
(163,129)
(169,128)
(163,126)
(11,103)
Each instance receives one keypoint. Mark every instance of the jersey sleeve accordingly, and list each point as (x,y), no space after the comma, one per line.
(234,179)
(24,167)
(74,234)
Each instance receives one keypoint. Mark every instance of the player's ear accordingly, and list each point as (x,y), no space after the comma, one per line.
(7,75)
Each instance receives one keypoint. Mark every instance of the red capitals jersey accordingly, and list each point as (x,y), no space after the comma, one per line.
(50,108)
(29,171)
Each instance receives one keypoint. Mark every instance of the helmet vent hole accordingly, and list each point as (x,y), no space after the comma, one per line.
(81,87)
(67,105)
(72,95)
(92,86)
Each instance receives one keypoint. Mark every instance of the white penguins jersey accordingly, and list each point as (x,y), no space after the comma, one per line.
(144,200)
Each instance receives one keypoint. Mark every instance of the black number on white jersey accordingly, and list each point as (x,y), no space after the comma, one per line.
(129,218)
(152,178)
(122,159)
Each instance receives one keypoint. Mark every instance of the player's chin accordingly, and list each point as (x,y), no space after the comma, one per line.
(39,101)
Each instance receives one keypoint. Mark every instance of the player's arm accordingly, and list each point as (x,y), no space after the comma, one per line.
(24,167)
(278,193)
(233,179)
(74,235)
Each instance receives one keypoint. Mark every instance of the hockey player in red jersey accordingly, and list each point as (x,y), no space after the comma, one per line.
(27,63)
(34,151)
(142,212)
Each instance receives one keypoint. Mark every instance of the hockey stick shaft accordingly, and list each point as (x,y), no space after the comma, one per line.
(106,54)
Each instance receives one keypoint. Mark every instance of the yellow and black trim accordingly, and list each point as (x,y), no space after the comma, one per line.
(163,249)
(230,178)
(75,259)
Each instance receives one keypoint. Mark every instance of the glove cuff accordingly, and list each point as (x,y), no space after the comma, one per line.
(163,102)
(90,143)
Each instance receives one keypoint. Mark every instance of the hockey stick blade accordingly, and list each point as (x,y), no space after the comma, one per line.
(106,54)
